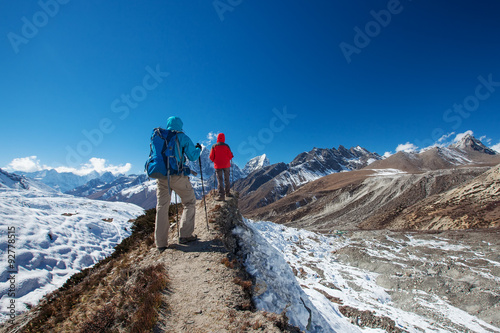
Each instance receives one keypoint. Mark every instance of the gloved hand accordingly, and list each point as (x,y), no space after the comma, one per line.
(198,146)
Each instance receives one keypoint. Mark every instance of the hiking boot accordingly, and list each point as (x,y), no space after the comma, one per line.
(220,198)
(184,240)
(162,249)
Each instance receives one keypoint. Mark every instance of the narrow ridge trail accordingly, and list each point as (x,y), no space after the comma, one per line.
(207,291)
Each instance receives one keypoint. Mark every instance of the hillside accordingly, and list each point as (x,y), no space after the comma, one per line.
(475,204)
(341,201)
(53,236)
(137,289)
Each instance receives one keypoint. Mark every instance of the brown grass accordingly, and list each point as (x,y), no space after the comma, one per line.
(245,284)
(228,263)
(115,294)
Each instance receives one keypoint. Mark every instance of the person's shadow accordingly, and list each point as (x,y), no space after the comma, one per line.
(214,245)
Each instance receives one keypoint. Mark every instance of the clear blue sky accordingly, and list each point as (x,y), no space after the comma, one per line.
(370,73)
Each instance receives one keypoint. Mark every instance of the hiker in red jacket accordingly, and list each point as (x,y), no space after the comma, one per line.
(221,155)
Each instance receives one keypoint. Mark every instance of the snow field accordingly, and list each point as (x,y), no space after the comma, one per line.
(56,236)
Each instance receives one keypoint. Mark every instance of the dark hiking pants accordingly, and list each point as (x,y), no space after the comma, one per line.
(223,190)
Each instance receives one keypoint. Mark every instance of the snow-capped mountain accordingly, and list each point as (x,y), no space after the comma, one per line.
(104,190)
(273,182)
(206,164)
(470,144)
(136,189)
(378,194)
(61,181)
(467,151)
(56,235)
(141,190)
(18,182)
(255,164)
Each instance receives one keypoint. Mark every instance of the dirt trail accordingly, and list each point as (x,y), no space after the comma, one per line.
(206,292)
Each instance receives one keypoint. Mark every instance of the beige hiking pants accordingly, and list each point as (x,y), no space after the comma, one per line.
(181,186)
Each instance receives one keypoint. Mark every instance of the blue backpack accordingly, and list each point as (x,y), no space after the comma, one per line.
(165,156)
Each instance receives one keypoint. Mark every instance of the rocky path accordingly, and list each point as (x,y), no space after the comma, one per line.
(207,292)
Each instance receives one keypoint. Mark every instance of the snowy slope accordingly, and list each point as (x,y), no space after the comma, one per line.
(56,235)
(298,271)
(277,289)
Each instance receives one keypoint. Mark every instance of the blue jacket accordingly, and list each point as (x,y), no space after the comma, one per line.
(192,153)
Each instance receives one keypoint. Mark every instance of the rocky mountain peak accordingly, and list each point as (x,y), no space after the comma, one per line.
(470,143)
(256,163)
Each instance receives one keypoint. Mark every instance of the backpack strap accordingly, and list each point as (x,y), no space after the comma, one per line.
(180,165)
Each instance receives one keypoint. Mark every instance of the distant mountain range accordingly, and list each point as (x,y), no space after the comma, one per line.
(260,184)
(468,151)
(271,183)
(64,181)
(137,189)
(391,192)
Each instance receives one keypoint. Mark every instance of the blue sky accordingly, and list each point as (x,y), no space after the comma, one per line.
(88,81)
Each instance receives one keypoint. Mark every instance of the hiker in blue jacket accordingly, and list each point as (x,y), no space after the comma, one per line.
(181,185)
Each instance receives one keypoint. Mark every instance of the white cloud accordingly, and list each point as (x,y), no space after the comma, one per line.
(485,139)
(97,164)
(496,147)
(211,137)
(387,154)
(445,137)
(25,164)
(460,136)
(32,164)
(407,147)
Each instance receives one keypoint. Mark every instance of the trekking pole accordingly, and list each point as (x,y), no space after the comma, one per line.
(177,213)
(203,191)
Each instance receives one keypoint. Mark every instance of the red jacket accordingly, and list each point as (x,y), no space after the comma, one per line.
(220,153)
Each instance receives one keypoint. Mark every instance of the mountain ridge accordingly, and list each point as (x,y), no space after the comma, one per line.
(467,151)
(374,196)
(274,182)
